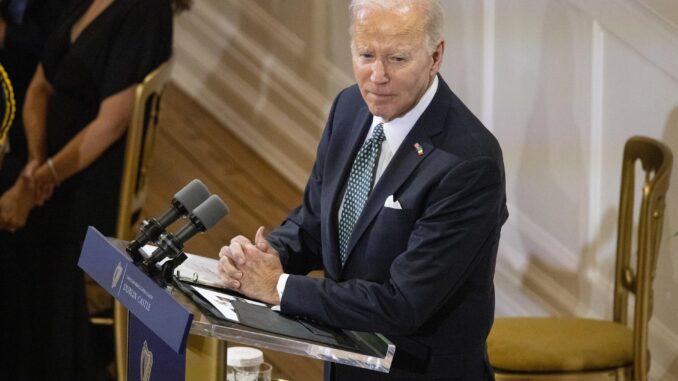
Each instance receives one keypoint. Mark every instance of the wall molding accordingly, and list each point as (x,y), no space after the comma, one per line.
(639,27)
(664,352)
(596,133)
(543,240)
(540,288)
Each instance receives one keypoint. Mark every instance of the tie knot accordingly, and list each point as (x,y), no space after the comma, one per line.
(378,133)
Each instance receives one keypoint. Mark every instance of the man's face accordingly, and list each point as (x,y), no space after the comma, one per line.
(390,60)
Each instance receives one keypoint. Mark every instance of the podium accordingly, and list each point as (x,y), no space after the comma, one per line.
(161,320)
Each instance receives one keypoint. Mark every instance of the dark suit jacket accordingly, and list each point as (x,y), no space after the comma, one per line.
(423,275)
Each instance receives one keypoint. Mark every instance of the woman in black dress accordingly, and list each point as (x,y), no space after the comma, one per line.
(77,109)
(24,27)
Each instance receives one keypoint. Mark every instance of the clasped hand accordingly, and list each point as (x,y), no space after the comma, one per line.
(17,202)
(250,268)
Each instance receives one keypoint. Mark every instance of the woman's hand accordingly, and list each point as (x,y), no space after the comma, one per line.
(15,205)
(40,179)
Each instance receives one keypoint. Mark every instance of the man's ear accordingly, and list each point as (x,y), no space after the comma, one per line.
(437,57)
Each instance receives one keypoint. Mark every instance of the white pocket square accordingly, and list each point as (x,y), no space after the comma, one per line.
(389,203)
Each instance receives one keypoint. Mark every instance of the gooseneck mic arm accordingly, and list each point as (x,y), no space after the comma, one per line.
(171,245)
(183,203)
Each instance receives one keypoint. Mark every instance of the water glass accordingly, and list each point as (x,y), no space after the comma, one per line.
(250,373)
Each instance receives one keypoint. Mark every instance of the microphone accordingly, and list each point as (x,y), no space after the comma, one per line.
(183,203)
(201,219)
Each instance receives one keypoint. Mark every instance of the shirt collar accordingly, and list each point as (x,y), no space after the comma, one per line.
(397,129)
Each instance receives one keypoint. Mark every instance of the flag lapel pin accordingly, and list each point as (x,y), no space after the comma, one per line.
(419,148)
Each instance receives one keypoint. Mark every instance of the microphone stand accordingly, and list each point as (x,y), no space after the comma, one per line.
(171,246)
(168,247)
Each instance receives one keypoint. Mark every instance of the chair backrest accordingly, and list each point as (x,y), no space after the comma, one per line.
(138,151)
(656,161)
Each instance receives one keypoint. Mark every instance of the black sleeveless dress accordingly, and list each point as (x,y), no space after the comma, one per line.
(127,41)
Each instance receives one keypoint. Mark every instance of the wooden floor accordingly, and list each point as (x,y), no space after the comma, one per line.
(191,144)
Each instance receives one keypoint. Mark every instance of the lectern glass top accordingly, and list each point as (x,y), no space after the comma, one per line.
(377,353)
(360,349)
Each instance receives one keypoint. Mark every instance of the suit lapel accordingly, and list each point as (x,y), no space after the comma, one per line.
(404,162)
(340,159)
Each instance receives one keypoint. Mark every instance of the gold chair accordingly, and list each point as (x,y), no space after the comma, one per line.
(204,355)
(550,349)
(138,153)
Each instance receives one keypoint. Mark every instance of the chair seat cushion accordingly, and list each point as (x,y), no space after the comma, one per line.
(558,344)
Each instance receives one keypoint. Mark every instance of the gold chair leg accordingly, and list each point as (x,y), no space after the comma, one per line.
(205,358)
(120,318)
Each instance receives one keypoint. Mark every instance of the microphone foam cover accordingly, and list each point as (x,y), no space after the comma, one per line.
(192,195)
(211,211)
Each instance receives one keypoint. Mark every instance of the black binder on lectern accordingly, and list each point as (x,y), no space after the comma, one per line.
(263,318)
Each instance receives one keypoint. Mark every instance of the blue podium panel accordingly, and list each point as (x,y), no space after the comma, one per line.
(112,268)
(149,358)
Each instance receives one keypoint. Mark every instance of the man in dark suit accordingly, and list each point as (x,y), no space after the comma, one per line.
(410,250)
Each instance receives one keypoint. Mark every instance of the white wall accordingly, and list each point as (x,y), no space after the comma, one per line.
(562,83)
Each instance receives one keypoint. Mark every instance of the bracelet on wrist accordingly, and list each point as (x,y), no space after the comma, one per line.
(50,164)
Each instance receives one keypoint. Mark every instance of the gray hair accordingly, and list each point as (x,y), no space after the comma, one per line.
(433,13)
